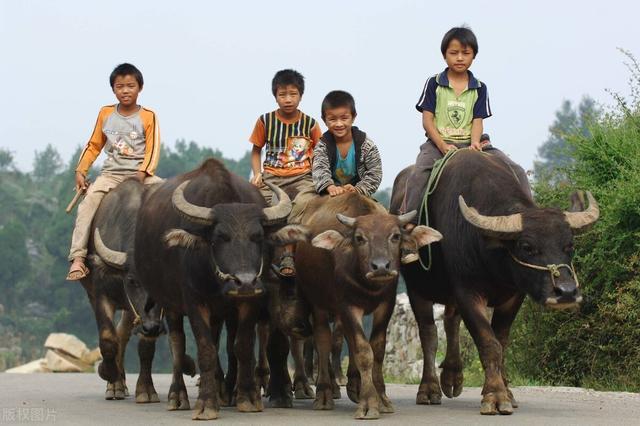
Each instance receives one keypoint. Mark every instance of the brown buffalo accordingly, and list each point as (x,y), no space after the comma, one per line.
(351,269)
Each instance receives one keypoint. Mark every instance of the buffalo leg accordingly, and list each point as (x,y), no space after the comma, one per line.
(109,346)
(280,395)
(495,398)
(368,400)
(337,342)
(322,341)
(310,359)
(145,391)
(301,387)
(207,404)
(503,317)
(249,398)
(378,341)
(178,398)
(429,390)
(123,333)
(262,369)
(451,377)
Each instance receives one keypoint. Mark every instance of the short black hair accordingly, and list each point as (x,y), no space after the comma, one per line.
(126,69)
(464,35)
(337,99)
(285,78)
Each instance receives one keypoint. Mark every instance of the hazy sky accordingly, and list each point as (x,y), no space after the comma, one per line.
(208,65)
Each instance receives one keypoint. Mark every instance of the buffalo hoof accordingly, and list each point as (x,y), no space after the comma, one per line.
(429,394)
(146,395)
(496,403)
(117,391)
(189,367)
(451,382)
(341,379)
(178,401)
(247,404)
(302,389)
(262,379)
(514,403)
(335,390)
(280,401)
(386,406)
(366,412)
(205,410)
(324,398)
(108,371)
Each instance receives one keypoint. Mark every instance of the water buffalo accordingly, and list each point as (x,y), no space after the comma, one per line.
(201,247)
(498,246)
(350,269)
(115,221)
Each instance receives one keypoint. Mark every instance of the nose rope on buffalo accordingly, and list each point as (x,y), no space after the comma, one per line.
(223,276)
(434,179)
(553,269)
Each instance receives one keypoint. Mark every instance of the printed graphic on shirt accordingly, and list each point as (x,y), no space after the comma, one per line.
(296,154)
(456,113)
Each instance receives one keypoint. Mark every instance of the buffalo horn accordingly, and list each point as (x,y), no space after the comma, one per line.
(281,210)
(581,220)
(407,217)
(494,226)
(346,220)
(115,259)
(193,213)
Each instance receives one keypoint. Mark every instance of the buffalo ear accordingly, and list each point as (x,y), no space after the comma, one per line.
(424,235)
(327,240)
(184,239)
(290,234)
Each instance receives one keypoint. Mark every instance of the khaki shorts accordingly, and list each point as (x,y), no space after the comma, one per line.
(299,188)
(88,207)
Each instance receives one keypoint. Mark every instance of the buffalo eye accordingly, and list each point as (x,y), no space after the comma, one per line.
(568,248)
(255,238)
(360,240)
(527,248)
(395,237)
(224,237)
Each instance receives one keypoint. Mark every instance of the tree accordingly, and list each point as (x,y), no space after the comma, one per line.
(556,154)
(6,160)
(47,164)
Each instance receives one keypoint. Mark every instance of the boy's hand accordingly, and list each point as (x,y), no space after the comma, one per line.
(256,179)
(349,188)
(447,147)
(476,146)
(141,176)
(334,190)
(81,182)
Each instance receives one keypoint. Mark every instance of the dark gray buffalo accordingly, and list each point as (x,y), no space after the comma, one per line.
(114,223)
(498,247)
(351,269)
(201,248)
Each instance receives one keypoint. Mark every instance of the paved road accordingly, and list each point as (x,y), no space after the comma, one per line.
(78,399)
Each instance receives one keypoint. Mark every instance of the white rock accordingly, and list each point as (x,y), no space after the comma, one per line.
(67,343)
(62,363)
(37,366)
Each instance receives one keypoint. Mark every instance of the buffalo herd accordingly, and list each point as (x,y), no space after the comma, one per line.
(201,245)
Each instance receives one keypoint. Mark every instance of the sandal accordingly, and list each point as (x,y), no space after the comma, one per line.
(78,272)
(287,266)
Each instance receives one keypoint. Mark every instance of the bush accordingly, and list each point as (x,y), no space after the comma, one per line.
(599,345)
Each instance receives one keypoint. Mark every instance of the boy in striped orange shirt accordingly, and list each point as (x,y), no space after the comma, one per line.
(129,134)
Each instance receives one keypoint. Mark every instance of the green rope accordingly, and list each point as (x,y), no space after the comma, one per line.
(434,179)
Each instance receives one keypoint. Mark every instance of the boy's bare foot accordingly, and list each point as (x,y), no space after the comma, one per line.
(77,270)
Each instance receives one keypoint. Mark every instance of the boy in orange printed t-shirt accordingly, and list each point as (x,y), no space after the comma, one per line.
(289,136)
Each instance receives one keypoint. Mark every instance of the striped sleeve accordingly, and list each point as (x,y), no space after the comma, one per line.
(95,144)
(371,176)
(321,168)
(427,101)
(152,142)
(482,109)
